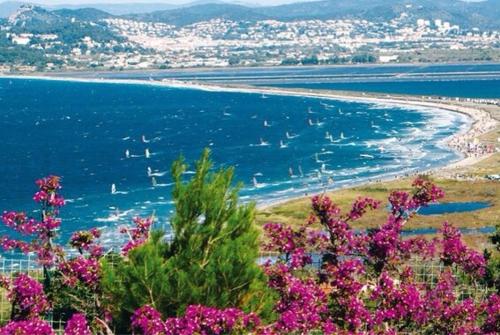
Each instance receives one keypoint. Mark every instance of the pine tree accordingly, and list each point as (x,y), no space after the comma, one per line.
(212,259)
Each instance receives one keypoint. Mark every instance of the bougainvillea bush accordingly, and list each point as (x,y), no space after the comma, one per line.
(325,278)
(70,288)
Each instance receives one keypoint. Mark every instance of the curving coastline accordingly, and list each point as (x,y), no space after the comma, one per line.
(481,121)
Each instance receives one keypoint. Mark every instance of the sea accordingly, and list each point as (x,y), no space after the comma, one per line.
(478,80)
(98,134)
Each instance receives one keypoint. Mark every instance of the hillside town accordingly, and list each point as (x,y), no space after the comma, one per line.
(133,44)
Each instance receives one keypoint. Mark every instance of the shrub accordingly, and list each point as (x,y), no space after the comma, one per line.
(212,259)
(332,280)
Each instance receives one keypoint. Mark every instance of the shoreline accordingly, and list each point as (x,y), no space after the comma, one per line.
(481,121)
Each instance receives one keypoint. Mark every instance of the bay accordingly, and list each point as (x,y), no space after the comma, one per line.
(83,130)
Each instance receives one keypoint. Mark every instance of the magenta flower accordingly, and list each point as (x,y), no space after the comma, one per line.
(77,325)
(361,206)
(138,235)
(197,320)
(27,297)
(85,241)
(81,269)
(491,308)
(28,327)
(148,321)
(455,252)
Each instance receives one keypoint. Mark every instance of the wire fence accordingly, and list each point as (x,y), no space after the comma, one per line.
(10,268)
(426,272)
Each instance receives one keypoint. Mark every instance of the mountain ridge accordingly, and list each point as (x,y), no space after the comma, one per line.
(483,15)
(202,12)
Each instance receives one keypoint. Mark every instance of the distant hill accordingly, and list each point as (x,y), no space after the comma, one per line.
(204,12)
(70,25)
(483,14)
(83,14)
(8,8)
(29,18)
(120,8)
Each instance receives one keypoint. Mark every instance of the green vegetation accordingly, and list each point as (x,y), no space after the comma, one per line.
(437,55)
(313,60)
(296,211)
(493,269)
(212,260)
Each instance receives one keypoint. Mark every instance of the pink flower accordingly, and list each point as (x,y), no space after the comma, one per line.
(491,308)
(82,269)
(77,325)
(455,252)
(206,320)
(28,327)
(148,321)
(360,207)
(85,241)
(20,222)
(302,302)
(27,297)
(138,234)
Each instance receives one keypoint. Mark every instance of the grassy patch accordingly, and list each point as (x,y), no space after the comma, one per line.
(295,212)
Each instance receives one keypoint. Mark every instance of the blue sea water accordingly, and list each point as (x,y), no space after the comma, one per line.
(82,130)
(452,80)
(254,74)
(453,207)
(465,88)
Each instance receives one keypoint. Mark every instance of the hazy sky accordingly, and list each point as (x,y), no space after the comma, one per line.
(74,2)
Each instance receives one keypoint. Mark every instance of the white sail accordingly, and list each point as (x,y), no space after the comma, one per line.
(113,189)
(147,153)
